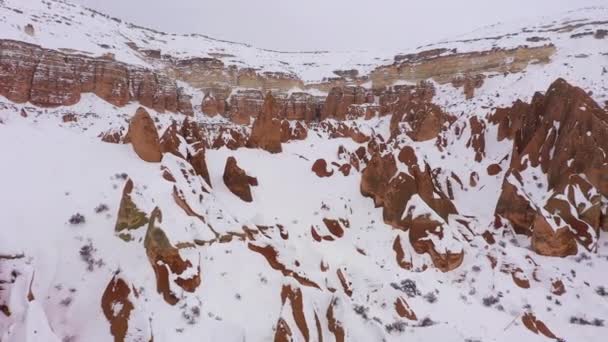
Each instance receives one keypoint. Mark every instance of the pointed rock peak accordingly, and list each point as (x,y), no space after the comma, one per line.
(169,142)
(266,130)
(144,136)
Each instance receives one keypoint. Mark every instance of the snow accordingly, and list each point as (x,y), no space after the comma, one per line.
(52,170)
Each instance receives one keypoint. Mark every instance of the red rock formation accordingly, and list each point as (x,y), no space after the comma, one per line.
(117,307)
(340,99)
(537,326)
(246,105)
(393,98)
(301,106)
(334,325)
(494,169)
(170,142)
(50,78)
(564,134)
(113,136)
(424,120)
(195,151)
(477,141)
(266,130)
(296,300)
(271,256)
(143,136)
(289,132)
(411,201)
(344,130)
(164,259)
(199,164)
(404,310)
(469,84)
(237,180)
(320,169)
(231,137)
(211,106)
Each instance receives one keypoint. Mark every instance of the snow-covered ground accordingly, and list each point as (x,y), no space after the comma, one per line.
(58,271)
(50,173)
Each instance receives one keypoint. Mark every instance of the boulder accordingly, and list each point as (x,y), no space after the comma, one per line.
(320,169)
(144,137)
(237,180)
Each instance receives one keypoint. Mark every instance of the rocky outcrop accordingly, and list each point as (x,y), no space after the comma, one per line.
(443,67)
(320,169)
(266,130)
(143,136)
(237,180)
(49,78)
(340,99)
(194,150)
(212,106)
(561,135)
(129,216)
(413,112)
(245,105)
(166,261)
(477,141)
(230,137)
(411,202)
(301,106)
(170,142)
(293,131)
(469,84)
(117,307)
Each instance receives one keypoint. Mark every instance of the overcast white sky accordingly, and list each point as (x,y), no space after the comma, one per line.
(329,24)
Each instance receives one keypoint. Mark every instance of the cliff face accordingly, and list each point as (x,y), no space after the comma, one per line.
(49,78)
(444,68)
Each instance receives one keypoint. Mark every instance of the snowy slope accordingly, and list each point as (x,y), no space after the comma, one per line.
(53,273)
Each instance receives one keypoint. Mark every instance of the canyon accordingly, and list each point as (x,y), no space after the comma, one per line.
(301,196)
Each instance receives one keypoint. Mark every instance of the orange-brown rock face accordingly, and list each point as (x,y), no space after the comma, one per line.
(166,260)
(169,141)
(477,141)
(301,106)
(50,78)
(340,99)
(117,307)
(246,105)
(412,111)
(320,169)
(561,135)
(290,132)
(393,98)
(411,202)
(231,137)
(424,120)
(143,136)
(199,164)
(266,130)
(212,106)
(237,180)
